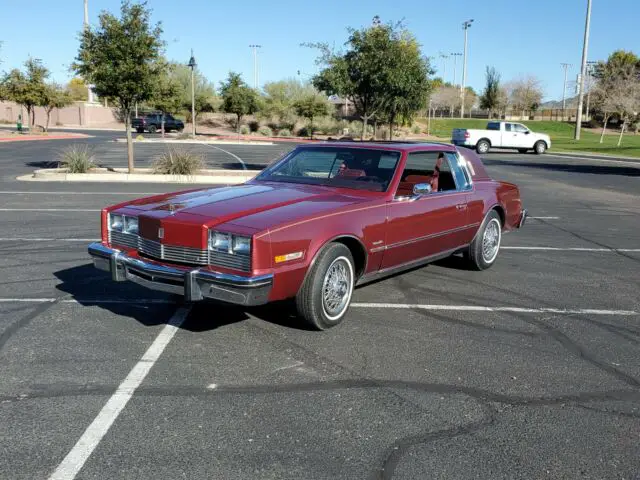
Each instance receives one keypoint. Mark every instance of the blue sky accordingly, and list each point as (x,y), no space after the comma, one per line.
(516,36)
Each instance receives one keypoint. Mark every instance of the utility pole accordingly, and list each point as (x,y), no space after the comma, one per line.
(564,87)
(255,64)
(455,58)
(86,13)
(465,27)
(583,69)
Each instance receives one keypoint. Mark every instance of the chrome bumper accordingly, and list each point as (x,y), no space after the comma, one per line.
(523,218)
(194,284)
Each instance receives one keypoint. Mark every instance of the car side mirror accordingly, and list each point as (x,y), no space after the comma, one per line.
(422,189)
(527,132)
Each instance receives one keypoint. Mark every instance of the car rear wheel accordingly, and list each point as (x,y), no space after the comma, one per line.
(153,129)
(325,295)
(540,147)
(483,146)
(484,248)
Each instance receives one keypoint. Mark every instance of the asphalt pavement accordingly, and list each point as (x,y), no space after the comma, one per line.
(530,369)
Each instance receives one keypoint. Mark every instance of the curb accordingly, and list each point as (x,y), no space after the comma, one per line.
(143,175)
(595,156)
(196,142)
(29,138)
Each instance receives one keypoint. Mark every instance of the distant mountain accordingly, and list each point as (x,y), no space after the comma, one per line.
(571,102)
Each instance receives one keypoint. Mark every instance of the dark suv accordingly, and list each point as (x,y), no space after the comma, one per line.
(153,122)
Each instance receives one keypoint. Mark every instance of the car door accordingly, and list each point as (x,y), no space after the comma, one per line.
(522,136)
(420,227)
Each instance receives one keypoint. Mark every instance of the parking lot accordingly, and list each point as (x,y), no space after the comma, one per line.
(530,369)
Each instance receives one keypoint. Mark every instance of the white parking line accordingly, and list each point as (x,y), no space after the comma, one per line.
(574,249)
(84,447)
(479,308)
(591,159)
(49,210)
(545,218)
(97,301)
(244,166)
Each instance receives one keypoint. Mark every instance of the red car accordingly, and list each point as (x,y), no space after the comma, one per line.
(313,225)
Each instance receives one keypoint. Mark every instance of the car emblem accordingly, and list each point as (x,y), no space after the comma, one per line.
(161,233)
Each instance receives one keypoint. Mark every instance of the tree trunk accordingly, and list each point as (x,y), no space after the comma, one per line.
(238,118)
(162,126)
(311,128)
(604,127)
(46,128)
(364,126)
(127,125)
(621,133)
(29,118)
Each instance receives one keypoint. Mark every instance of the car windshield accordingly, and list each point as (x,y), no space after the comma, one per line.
(360,168)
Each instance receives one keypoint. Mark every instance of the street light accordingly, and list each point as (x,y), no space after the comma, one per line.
(583,69)
(255,64)
(444,66)
(455,61)
(564,87)
(192,65)
(465,27)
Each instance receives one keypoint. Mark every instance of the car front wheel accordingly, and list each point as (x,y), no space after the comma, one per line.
(325,295)
(152,129)
(484,248)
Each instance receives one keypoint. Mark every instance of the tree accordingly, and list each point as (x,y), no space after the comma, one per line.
(490,98)
(55,96)
(27,88)
(526,93)
(445,97)
(78,90)
(310,106)
(238,98)
(470,99)
(279,98)
(122,59)
(167,97)
(409,82)
(370,70)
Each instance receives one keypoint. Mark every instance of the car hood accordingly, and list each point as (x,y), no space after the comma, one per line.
(241,205)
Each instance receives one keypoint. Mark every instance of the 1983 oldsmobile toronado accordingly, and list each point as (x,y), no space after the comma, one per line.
(321,220)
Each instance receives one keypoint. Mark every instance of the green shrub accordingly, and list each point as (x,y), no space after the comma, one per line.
(415,129)
(327,126)
(77,158)
(355,129)
(178,162)
(265,131)
(285,132)
(184,136)
(244,130)
(254,125)
(303,132)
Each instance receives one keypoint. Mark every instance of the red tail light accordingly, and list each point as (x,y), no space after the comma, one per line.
(466,135)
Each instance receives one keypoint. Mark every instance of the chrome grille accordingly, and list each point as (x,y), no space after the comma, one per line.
(173,253)
(228,260)
(123,239)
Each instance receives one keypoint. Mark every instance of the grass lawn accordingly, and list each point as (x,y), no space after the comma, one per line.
(561,134)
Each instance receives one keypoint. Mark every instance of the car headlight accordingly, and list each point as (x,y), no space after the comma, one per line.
(219,241)
(229,243)
(131,225)
(116,222)
(241,245)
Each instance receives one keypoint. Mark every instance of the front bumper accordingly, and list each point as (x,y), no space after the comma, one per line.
(194,284)
(523,218)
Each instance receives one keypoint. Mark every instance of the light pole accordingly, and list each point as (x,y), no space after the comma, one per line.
(192,65)
(589,85)
(85,25)
(255,64)
(465,27)
(455,61)
(564,87)
(444,66)
(583,69)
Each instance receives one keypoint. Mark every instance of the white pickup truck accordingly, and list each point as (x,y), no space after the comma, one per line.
(501,135)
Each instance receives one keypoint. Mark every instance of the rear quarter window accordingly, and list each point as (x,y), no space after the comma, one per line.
(493,126)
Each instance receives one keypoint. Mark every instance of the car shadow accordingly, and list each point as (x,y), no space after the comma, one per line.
(91,287)
(569,167)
